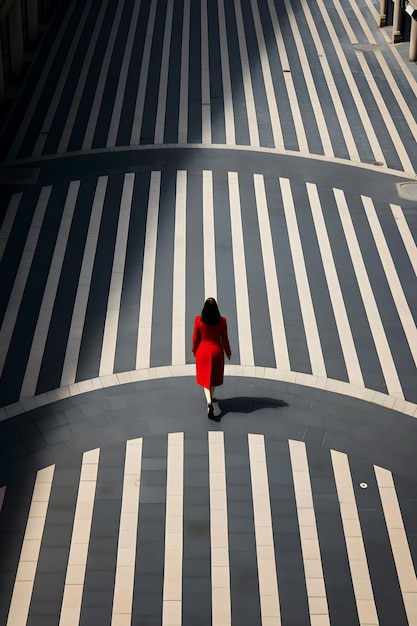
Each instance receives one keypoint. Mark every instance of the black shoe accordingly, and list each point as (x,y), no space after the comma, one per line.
(210,411)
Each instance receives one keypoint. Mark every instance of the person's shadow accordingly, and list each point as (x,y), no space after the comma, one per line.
(243,404)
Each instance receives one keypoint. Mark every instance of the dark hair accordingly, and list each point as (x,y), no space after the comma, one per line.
(210,313)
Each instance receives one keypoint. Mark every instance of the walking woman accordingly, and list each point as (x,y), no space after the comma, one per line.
(210,342)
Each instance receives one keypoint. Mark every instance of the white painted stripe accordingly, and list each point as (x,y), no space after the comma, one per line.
(79,92)
(108,350)
(358,564)
(342,322)
(13,306)
(8,221)
(314,98)
(267,74)
(56,99)
(163,76)
(399,543)
(205,76)
(239,265)
(179,271)
(310,546)
(183,110)
(69,369)
(143,354)
(407,237)
(80,539)
(29,555)
(247,80)
(209,244)
(126,550)
(377,329)
(229,119)
(34,361)
(264,535)
(397,292)
(307,310)
(282,359)
(172,588)
(102,79)
(121,85)
(40,85)
(289,84)
(219,537)
(141,93)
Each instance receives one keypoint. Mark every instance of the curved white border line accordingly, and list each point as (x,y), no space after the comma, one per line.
(170,371)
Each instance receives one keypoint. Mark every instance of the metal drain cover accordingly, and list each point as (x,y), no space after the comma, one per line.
(19,175)
(407,190)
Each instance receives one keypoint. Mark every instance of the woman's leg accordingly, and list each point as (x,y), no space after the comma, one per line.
(208,395)
(212,392)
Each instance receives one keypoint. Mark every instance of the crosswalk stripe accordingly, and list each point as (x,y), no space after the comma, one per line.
(377,329)
(310,547)
(80,539)
(239,266)
(41,332)
(209,248)
(399,543)
(31,547)
(304,294)
(362,584)
(163,76)
(227,87)
(335,292)
(69,369)
(205,77)
(406,235)
(126,551)
(8,221)
(108,350)
(185,56)
(179,269)
(13,306)
(264,537)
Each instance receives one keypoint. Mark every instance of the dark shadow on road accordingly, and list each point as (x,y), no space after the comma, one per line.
(243,404)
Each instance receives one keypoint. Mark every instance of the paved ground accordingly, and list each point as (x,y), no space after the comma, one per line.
(161,151)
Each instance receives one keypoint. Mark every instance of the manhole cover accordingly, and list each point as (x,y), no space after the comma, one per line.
(19,175)
(407,190)
(366,47)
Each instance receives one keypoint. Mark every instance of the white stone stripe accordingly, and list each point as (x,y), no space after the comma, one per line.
(40,86)
(163,76)
(79,92)
(276,317)
(247,80)
(219,538)
(179,271)
(143,353)
(314,97)
(397,292)
(140,97)
(229,119)
(289,83)
(374,319)
(399,543)
(185,54)
(121,85)
(56,99)
(7,225)
(307,310)
(34,361)
(29,555)
(347,72)
(310,547)
(239,265)
(209,245)
(264,536)
(126,550)
(205,77)
(172,589)
(13,306)
(407,237)
(358,564)
(102,79)
(108,350)
(80,540)
(342,322)
(69,369)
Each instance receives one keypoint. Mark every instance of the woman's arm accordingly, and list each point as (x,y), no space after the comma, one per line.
(225,340)
(196,336)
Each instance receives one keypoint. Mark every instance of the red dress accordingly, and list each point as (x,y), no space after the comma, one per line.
(210,342)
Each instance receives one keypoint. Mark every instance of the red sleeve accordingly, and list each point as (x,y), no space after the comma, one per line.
(225,339)
(196,336)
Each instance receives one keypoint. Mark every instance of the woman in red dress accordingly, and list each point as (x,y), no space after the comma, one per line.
(210,342)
